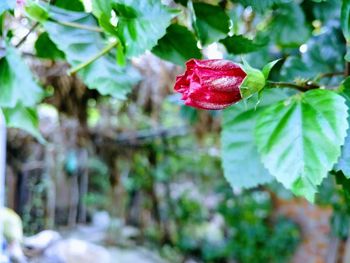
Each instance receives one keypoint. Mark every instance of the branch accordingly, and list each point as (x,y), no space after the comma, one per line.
(306,87)
(94,58)
(21,42)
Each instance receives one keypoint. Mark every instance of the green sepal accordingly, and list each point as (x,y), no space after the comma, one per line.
(253,82)
(268,67)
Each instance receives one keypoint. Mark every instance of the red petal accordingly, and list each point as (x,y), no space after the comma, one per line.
(221,81)
(214,64)
(210,84)
(206,105)
(216,97)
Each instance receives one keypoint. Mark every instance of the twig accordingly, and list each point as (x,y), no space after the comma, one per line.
(21,42)
(329,75)
(95,57)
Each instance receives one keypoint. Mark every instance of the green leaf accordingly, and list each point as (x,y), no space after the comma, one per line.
(325,53)
(170,48)
(23,118)
(211,22)
(268,67)
(238,44)
(73,5)
(300,139)
(288,28)
(45,48)
(240,158)
(141,23)
(36,11)
(182,2)
(345,19)
(17,83)
(101,7)
(6,5)
(254,81)
(79,45)
(260,5)
(102,10)
(121,59)
(344,160)
(325,10)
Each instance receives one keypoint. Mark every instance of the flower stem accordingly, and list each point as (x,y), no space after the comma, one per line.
(79,26)
(94,58)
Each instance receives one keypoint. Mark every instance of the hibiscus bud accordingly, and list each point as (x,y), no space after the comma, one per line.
(216,83)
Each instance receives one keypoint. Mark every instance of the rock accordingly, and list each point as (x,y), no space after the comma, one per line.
(42,240)
(49,247)
(75,251)
(101,220)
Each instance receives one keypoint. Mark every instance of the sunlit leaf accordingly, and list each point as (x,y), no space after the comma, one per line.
(141,23)
(23,118)
(17,82)
(300,139)
(240,159)
(79,45)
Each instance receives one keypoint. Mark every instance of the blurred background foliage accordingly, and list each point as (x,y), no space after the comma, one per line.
(148,161)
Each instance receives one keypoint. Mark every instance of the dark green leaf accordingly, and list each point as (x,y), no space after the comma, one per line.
(326,10)
(17,83)
(325,52)
(288,28)
(73,5)
(183,2)
(79,45)
(240,158)
(238,44)
(23,118)
(300,139)
(345,19)
(141,23)
(211,22)
(45,48)
(178,45)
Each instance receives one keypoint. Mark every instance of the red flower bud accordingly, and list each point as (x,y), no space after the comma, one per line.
(212,84)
